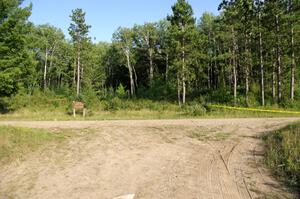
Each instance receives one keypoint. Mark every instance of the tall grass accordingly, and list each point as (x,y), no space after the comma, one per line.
(48,105)
(283,153)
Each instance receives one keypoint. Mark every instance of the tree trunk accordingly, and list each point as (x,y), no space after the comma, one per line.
(78,73)
(234,63)
(167,67)
(132,88)
(82,74)
(51,63)
(135,77)
(45,68)
(178,89)
(262,85)
(274,83)
(151,75)
(293,67)
(208,76)
(279,96)
(215,68)
(247,72)
(209,65)
(74,72)
(183,76)
(183,69)
(234,81)
(273,75)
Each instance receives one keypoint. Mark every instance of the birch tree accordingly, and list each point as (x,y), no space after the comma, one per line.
(124,39)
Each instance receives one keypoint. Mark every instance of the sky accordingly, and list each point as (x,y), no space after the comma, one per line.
(105,16)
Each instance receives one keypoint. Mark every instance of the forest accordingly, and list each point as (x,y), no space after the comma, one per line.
(248,55)
(182,107)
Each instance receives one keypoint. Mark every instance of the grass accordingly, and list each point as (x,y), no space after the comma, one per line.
(15,142)
(209,136)
(142,112)
(49,106)
(283,154)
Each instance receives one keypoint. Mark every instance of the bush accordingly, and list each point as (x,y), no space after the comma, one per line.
(159,90)
(194,109)
(18,101)
(221,96)
(121,92)
(37,100)
(90,98)
(112,105)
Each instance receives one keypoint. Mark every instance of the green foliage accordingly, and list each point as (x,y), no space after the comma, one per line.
(78,28)
(116,104)
(121,92)
(158,91)
(194,109)
(17,65)
(283,153)
(153,61)
(47,99)
(90,98)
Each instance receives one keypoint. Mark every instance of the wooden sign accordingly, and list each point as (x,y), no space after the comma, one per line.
(78,106)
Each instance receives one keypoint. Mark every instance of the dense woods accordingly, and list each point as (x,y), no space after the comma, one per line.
(247,55)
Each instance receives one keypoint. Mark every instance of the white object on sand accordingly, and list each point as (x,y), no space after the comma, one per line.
(129,196)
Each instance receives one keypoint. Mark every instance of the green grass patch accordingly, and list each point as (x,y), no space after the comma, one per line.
(209,136)
(16,142)
(222,136)
(283,154)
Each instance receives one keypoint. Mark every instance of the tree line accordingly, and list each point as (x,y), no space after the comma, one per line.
(246,55)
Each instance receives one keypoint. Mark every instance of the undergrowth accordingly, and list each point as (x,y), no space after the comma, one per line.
(283,154)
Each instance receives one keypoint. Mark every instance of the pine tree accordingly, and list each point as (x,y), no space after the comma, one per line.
(17,65)
(79,33)
(183,29)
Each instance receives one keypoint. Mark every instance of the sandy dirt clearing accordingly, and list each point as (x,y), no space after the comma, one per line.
(153,159)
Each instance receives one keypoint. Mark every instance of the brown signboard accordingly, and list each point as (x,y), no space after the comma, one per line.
(78,105)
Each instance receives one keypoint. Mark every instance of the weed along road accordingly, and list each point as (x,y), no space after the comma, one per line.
(153,159)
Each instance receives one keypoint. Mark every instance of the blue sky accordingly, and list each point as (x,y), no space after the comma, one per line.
(105,16)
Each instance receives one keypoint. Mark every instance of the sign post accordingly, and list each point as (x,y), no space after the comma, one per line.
(78,106)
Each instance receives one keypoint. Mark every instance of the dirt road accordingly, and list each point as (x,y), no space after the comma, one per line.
(163,159)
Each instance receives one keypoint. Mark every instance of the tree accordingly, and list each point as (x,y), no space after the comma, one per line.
(273,11)
(17,64)
(95,75)
(258,7)
(146,38)
(293,17)
(49,39)
(164,46)
(183,28)
(79,33)
(206,28)
(123,37)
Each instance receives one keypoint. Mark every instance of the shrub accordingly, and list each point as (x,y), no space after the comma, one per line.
(90,98)
(159,90)
(194,109)
(112,105)
(121,92)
